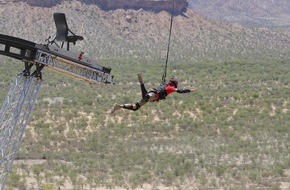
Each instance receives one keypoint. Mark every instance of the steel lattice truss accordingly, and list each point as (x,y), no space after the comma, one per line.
(19,103)
(70,68)
(14,116)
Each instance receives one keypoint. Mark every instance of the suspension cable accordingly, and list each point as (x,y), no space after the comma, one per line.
(168,47)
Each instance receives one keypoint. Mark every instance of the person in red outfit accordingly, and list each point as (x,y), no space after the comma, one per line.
(154,95)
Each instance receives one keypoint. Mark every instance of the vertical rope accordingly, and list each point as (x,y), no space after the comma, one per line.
(168,47)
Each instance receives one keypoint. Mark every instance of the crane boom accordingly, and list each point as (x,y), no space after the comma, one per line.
(19,103)
(55,58)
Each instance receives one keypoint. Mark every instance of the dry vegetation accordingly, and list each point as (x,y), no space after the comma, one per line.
(144,35)
(233,133)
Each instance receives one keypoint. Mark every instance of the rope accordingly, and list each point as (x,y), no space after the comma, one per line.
(169,39)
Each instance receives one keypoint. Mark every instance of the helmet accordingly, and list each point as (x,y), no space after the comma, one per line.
(173,82)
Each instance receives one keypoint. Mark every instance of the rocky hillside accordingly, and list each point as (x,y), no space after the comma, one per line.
(257,13)
(152,5)
(144,35)
(164,5)
(247,12)
(233,133)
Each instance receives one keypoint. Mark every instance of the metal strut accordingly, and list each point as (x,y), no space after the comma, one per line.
(14,116)
(168,47)
(55,58)
(18,105)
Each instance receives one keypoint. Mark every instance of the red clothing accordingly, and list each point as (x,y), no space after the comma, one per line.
(169,89)
(162,94)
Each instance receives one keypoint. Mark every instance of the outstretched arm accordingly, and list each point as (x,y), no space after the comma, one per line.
(181,90)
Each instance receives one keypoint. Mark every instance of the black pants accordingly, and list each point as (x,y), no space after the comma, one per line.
(137,105)
(144,91)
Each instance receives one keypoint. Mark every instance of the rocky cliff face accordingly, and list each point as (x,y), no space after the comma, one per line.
(152,5)
(162,5)
(139,34)
(265,13)
(41,3)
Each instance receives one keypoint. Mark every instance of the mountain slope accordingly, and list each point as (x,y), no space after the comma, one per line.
(144,35)
(233,133)
(151,5)
(248,12)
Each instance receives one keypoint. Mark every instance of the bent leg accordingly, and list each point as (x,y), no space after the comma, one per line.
(136,106)
(143,90)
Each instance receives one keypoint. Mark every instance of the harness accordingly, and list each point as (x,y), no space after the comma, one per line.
(159,92)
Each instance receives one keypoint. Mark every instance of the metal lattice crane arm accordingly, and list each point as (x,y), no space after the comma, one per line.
(19,103)
(56,59)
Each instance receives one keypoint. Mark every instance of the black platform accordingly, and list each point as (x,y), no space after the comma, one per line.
(17,48)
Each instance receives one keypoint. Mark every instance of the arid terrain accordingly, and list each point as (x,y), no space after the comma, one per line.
(257,13)
(144,35)
(232,133)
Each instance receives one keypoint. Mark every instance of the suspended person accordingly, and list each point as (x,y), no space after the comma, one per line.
(154,95)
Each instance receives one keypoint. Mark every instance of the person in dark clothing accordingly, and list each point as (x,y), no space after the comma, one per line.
(153,95)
